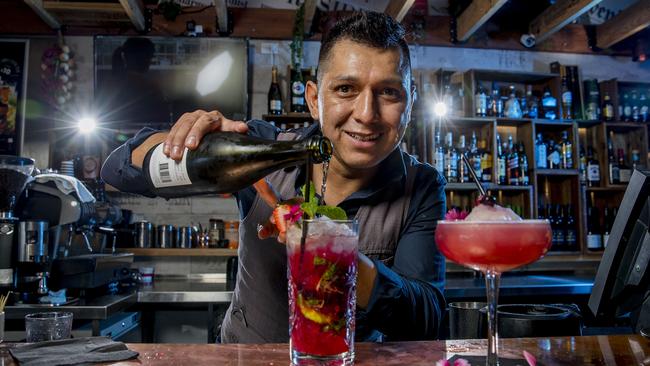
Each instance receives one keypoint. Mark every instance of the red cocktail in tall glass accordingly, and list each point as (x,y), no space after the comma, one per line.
(493,247)
(322,298)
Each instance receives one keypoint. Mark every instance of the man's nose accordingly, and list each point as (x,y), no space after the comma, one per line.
(366,107)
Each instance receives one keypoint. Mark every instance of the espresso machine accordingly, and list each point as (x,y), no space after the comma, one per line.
(15,174)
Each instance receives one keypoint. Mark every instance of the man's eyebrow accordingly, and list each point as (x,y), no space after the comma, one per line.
(350,78)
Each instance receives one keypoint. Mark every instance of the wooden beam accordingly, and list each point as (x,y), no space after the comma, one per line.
(475,15)
(37,6)
(222,14)
(134,10)
(398,8)
(557,16)
(628,22)
(310,12)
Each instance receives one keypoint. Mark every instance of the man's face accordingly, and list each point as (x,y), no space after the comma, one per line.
(363,102)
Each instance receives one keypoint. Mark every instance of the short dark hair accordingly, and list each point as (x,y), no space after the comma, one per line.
(372,29)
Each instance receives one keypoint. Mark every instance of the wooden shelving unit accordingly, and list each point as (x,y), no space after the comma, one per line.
(180,252)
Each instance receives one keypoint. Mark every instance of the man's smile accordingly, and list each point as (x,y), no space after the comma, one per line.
(364,137)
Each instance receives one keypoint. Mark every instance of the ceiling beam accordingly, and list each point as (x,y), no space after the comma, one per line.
(628,22)
(222,14)
(557,16)
(37,6)
(310,13)
(134,10)
(475,15)
(398,8)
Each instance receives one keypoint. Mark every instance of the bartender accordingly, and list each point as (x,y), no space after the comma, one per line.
(362,100)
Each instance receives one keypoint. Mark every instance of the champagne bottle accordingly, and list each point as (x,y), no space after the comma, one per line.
(275,95)
(226,162)
(297,91)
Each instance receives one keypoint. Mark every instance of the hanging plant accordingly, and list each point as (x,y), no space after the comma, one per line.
(57,74)
(298,37)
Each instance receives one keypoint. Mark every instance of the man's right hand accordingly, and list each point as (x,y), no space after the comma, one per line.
(191,127)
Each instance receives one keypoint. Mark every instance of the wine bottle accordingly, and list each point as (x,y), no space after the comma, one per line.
(297,91)
(275,95)
(226,162)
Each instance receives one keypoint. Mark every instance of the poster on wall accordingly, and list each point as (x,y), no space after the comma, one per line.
(13,84)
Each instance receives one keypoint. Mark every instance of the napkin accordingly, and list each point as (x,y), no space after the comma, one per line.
(75,351)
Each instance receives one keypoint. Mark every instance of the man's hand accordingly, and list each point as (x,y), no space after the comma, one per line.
(191,127)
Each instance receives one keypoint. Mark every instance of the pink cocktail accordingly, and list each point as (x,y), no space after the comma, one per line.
(493,247)
(322,298)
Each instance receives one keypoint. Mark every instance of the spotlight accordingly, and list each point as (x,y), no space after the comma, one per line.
(440,109)
(86,125)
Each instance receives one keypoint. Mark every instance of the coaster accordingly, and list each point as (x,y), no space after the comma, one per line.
(480,360)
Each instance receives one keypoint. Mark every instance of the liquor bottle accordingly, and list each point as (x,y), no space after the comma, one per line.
(608,108)
(609,224)
(626,108)
(524,179)
(495,107)
(523,102)
(541,161)
(226,162)
(566,148)
(513,108)
(275,95)
(501,163)
(550,216)
(567,97)
(560,226)
(594,237)
(636,160)
(486,161)
(451,160)
(643,108)
(624,171)
(475,158)
(533,108)
(554,155)
(463,174)
(480,101)
(606,231)
(582,166)
(593,169)
(592,109)
(439,154)
(512,163)
(549,105)
(297,91)
(635,106)
(570,232)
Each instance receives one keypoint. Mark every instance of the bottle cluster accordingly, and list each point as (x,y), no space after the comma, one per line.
(551,154)
(563,224)
(510,102)
(448,158)
(599,226)
(633,104)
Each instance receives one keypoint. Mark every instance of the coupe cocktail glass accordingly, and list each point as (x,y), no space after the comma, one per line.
(322,277)
(493,247)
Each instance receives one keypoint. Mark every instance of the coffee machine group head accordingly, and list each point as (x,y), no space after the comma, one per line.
(15,173)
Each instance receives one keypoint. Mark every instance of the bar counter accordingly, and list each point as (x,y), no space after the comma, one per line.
(592,350)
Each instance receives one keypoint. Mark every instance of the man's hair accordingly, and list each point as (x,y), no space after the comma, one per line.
(372,29)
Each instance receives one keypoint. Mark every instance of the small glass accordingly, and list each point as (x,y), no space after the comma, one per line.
(322,291)
(2,326)
(48,326)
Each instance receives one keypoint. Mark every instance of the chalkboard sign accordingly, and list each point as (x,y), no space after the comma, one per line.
(13,62)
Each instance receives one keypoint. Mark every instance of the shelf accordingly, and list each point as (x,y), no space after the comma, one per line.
(180,252)
(487,186)
(513,77)
(553,122)
(616,188)
(624,126)
(503,121)
(569,172)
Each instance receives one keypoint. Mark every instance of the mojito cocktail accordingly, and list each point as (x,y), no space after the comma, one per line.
(322,299)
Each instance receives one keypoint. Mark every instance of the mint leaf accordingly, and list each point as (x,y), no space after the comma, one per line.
(312,192)
(333,212)
(309,208)
(318,261)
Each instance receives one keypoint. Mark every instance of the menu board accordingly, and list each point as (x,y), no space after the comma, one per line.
(13,61)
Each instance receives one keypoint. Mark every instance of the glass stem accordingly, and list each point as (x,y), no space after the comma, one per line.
(492,285)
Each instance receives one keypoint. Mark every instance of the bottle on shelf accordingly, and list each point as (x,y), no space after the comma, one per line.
(554,155)
(297,91)
(566,96)
(475,157)
(593,169)
(643,108)
(570,231)
(608,108)
(592,107)
(486,161)
(635,106)
(524,178)
(480,101)
(594,236)
(226,162)
(610,216)
(550,216)
(463,174)
(523,102)
(624,171)
(582,166)
(439,154)
(566,148)
(533,108)
(501,162)
(541,161)
(512,167)
(549,104)
(612,165)
(636,160)
(626,108)
(560,228)
(512,108)
(275,94)
(451,160)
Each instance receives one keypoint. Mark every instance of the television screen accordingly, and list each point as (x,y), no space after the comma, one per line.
(152,81)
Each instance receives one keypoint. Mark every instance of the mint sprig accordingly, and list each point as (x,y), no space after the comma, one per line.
(311,208)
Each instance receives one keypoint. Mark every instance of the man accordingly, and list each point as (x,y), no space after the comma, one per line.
(363,102)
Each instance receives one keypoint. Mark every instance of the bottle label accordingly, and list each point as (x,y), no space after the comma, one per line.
(605,239)
(625,175)
(298,88)
(298,100)
(554,158)
(541,157)
(593,172)
(166,172)
(567,98)
(593,241)
(608,111)
(570,237)
(275,105)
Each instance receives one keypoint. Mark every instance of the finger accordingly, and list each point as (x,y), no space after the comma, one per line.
(207,122)
(266,231)
(167,145)
(282,238)
(179,133)
(234,126)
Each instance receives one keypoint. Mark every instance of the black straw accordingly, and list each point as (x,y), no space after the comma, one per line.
(473,174)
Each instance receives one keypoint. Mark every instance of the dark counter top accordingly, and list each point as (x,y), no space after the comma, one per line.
(99,308)
(593,350)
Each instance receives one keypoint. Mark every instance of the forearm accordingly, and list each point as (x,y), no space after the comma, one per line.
(366,276)
(139,153)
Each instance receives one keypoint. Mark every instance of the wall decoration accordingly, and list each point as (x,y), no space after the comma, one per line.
(13,85)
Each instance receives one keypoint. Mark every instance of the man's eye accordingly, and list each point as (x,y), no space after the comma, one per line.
(344,89)
(390,92)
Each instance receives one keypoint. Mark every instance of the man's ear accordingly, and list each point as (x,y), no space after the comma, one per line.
(311,97)
(413,96)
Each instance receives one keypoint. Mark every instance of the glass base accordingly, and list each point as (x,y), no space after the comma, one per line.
(304,359)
